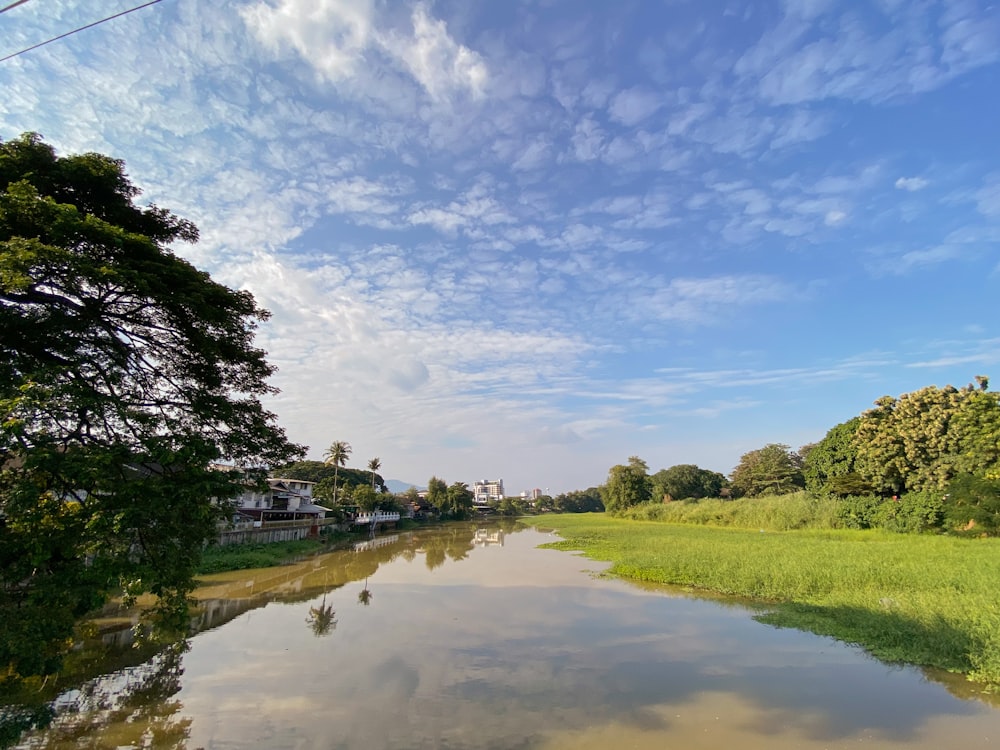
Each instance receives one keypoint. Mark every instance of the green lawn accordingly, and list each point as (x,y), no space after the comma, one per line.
(920,599)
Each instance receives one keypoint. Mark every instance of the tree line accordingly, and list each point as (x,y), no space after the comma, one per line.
(934,454)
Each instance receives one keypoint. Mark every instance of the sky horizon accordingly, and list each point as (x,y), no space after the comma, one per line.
(528,240)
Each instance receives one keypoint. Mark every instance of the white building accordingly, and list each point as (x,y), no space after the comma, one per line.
(486,491)
(283,500)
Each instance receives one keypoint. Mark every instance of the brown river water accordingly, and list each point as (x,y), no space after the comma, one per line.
(459,637)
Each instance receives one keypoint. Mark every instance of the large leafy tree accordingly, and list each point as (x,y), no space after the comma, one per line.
(923,439)
(627,485)
(125,372)
(437,494)
(774,469)
(687,481)
(459,500)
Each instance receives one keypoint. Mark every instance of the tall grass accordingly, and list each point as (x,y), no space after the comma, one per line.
(918,599)
(777,513)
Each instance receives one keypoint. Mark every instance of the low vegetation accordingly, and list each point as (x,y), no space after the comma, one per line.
(927,600)
(245,556)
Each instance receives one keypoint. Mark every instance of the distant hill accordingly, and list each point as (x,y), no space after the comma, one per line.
(396,485)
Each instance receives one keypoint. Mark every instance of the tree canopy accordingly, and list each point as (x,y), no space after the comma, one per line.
(923,439)
(125,372)
(627,485)
(686,481)
(774,469)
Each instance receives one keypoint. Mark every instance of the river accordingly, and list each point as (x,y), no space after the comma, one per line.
(459,637)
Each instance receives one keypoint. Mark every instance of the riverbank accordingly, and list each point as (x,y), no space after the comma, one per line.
(905,598)
(222,559)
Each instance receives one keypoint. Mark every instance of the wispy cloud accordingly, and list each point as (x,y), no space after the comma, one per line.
(570,223)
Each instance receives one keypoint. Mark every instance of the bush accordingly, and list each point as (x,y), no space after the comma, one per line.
(911,513)
(973,504)
(859,511)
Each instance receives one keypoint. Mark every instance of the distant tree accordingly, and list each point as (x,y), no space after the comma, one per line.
(774,469)
(437,494)
(507,507)
(324,490)
(374,465)
(627,485)
(579,501)
(365,498)
(459,500)
(686,481)
(336,455)
(545,502)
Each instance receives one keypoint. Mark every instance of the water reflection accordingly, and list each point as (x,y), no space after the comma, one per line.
(490,642)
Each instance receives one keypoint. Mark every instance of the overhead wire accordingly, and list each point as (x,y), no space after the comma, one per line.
(13,5)
(74,31)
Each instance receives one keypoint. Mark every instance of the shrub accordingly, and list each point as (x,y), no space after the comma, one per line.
(973,504)
(859,511)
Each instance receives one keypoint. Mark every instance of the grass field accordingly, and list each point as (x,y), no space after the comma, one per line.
(927,600)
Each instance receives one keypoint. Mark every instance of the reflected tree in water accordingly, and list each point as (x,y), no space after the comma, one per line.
(365,596)
(132,708)
(321,619)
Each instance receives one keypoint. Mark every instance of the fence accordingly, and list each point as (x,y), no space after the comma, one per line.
(280,531)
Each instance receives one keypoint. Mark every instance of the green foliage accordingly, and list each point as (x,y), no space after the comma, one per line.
(798,510)
(245,556)
(686,480)
(772,470)
(365,498)
(829,462)
(860,511)
(973,504)
(579,501)
(124,372)
(924,438)
(923,599)
(508,506)
(627,486)
(437,493)
(913,512)
(323,474)
(458,501)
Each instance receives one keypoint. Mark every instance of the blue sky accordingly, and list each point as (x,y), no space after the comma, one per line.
(530,239)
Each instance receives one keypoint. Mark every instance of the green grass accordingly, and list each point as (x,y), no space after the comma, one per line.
(245,556)
(776,513)
(916,599)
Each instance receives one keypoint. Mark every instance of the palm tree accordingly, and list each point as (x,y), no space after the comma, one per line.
(321,619)
(365,596)
(373,466)
(337,455)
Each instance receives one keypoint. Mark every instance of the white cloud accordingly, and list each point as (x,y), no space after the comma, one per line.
(912,184)
(338,38)
(988,197)
(437,61)
(634,105)
(331,36)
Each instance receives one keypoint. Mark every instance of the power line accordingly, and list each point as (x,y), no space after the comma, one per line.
(82,28)
(13,5)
